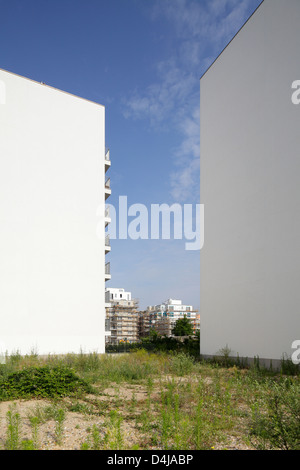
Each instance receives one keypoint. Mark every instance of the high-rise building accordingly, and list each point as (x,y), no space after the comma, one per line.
(144,324)
(163,317)
(122,317)
(250,166)
(52,219)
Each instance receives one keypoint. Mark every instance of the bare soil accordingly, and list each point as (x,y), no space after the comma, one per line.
(77,425)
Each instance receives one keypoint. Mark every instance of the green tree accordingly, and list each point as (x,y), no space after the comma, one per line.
(183,327)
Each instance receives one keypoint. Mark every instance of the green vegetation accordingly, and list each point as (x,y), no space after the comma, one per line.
(59,425)
(183,327)
(149,400)
(43,382)
(156,343)
(277,425)
(13,429)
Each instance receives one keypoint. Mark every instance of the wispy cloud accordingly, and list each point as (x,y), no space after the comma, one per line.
(202,30)
(212,20)
(184,178)
(157,101)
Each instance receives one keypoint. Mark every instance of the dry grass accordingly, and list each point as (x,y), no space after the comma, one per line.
(143,401)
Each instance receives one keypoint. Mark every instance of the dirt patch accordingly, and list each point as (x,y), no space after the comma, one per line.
(130,401)
(77,426)
(74,427)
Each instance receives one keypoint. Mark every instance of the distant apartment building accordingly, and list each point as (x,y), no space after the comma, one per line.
(122,317)
(144,324)
(163,317)
(250,167)
(53,162)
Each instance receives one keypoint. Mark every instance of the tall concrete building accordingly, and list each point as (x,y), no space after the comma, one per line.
(163,317)
(52,219)
(249,185)
(122,317)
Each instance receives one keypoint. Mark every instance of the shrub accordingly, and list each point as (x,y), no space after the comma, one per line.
(181,364)
(43,382)
(278,426)
(183,327)
(288,367)
(13,429)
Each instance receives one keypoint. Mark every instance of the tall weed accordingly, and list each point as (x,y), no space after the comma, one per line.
(276,423)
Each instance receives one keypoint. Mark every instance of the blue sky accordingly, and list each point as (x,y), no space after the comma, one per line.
(141,59)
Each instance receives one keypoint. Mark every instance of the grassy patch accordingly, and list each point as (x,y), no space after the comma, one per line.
(42,382)
(145,400)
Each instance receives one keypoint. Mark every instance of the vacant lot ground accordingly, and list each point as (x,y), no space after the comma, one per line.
(151,401)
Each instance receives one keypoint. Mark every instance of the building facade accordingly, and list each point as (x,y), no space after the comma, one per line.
(163,317)
(250,166)
(144,324)
(52,219)
(122,317)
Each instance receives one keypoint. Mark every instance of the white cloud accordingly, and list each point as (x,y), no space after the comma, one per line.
(185,181)
(171,91)
(202,30)
(212,19)
(184,178)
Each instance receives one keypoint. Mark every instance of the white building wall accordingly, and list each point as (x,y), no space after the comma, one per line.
(113,293)
(250,166)
(51,187)
(171,304)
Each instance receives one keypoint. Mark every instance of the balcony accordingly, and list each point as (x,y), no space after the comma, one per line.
(107,160)
(107,218)
(107,244)
(107,327)
(107,188)
(107,272)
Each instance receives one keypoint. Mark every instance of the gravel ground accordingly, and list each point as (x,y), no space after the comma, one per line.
(77,425)
(74,429)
